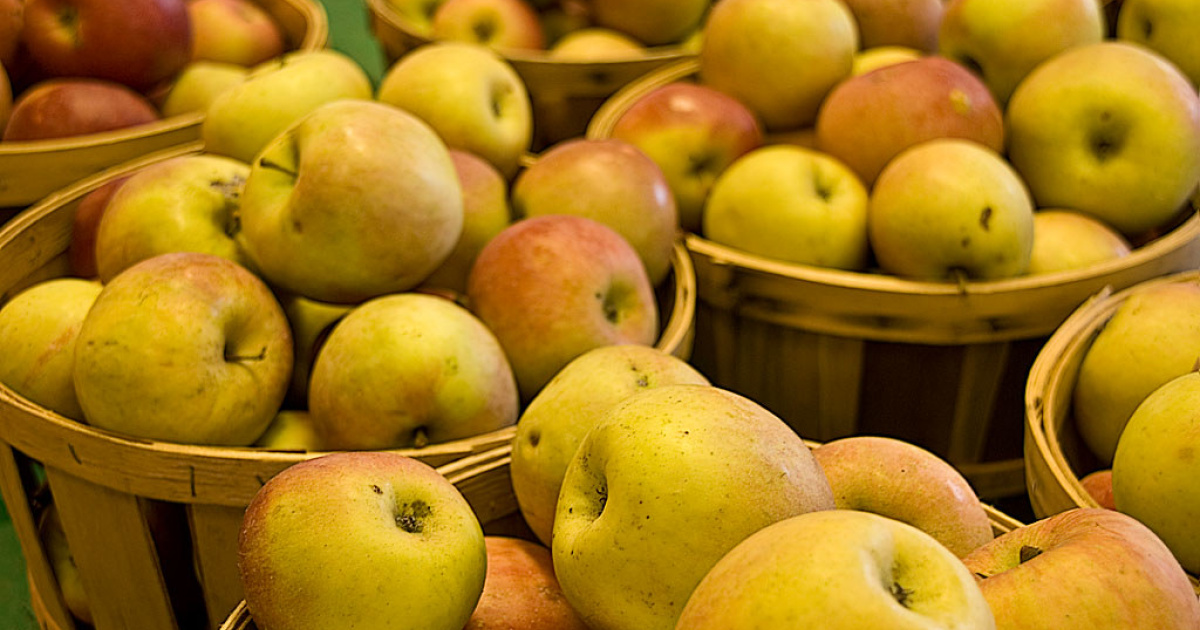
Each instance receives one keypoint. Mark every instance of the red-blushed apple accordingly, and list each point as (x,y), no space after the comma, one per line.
(61,108)
(908,23)
(1084,569)
(521,590)
(188,203)
(1165,26)
(654,22)
(81,251)
(596,44)
(779,57)
(185,347)
(555,286)
(486,211)
(901,480)
(1098,485)
(1064,239)
(240,32)
(498,24)
(838,570)
(135,42)
(693,132)
(870,118)
(361,539)
(610,181)
(12,19)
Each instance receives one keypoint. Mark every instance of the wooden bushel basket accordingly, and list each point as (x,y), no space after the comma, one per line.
(1056,457)
(564,94)
(838,353)
(485,482)
(31,170)
(153,525)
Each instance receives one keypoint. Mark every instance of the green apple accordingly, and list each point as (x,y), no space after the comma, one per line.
(950,206)
(1110,129)
(1084,569)
(838,570)
(909,24)
(407,370)
(1168,27)
(361,540)
(693,132)
(554,423)
(779,57)
(665,484)
(38,330)
(596,44)
(470,95)
(1152,337)
(876,57)
(242,120)
(788,203)
(521,590)
(610,181)
(555,286)
(291,430)
(240,32)
(188,203)
(185,347)
(653,22)
(1157,461)
(198,85)
(1003,40)
(357,199)
(498,24)
(901,480)
(1064,239)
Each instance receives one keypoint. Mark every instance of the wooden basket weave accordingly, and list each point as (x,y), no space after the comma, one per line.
(1056,457)
(837,353)
(485,482)
(31,170)
(109,487)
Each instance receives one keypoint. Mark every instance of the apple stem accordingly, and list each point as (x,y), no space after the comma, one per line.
(960,278)
(901,594)
(237,358)
(420,437)
(271,164)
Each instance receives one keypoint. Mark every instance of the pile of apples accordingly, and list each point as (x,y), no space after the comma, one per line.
(75,67)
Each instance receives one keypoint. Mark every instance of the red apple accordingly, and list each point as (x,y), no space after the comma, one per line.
(693,132)
(82,250)
(521,590)
(60,108)
(12,18)
(869,118)
(233,31)
(1099,485)
(909,23)
(136,42)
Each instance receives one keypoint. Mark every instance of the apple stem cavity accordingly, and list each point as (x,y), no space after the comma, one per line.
(1028,552)
(68,18)
(411,516)
(420,437)
(484,32)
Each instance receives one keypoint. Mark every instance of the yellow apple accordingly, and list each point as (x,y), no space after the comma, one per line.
(1064,239)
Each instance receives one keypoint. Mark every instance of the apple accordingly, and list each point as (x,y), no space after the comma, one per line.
(81,251)
(311,322)
(12,20)
(486,211)
(561,17)
(237,32)
(291,430)
(793,204)
(1064,239)
(779,57)
(554,423)
(596,44)
(1152,337)
(242,120)
(361,539)
(876,57)
(653,22)
(417,14)
(62,108)
(471,96)
(186,203)
(407,370)
(555,286)
(1155,466)
(184,347)
(665,484)
(1003,40)
(135,42)
(62,562)
(911,24)
(1110,129)
(868,119)
(198,85)
(693,132)
(1098,485)
(521,590)
(1167,27)
(901,480)
(950,206)
(610,181)
(356,200)
(498,24)
(1082,569)
(38,329)
(837,570)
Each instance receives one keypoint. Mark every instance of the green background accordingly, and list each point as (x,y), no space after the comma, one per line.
(349,33)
